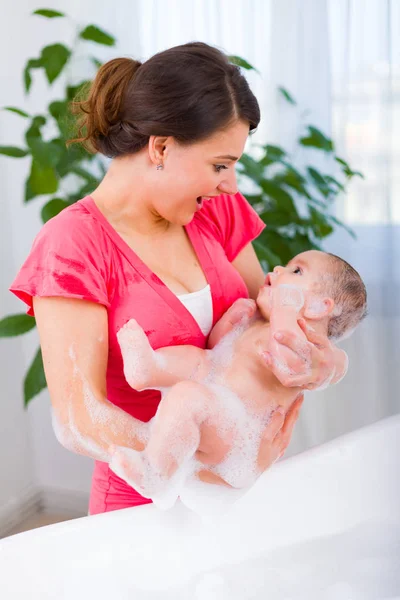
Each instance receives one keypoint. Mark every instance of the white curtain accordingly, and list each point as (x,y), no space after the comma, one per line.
(364,52)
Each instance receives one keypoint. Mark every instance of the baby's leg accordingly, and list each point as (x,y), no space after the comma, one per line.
(174,439)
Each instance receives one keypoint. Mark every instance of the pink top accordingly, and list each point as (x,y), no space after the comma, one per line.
(78,254)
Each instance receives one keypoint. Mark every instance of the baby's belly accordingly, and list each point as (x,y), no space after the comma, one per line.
(230,439)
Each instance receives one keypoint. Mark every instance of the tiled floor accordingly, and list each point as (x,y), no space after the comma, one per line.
(39,520)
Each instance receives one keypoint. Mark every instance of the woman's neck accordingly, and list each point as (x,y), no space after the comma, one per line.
(124,198)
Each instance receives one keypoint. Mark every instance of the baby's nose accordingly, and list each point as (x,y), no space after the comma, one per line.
(278,270)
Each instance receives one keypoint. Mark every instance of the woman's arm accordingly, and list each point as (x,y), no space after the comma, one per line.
(74,341)
(248,266)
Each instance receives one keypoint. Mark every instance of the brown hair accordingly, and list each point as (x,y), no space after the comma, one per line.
(188,92)
(350,296)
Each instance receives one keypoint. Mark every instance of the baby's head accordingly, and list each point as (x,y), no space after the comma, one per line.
(332,289)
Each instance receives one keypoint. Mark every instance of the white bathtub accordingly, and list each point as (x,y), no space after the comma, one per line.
(322,525)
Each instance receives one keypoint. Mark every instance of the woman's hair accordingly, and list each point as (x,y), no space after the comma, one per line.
(189,92)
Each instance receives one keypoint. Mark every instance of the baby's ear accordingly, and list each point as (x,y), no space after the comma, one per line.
(317,307)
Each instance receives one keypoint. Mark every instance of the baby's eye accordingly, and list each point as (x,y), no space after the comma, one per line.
(297,271)
(219,168)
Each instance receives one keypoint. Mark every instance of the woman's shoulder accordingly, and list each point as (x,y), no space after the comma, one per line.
(73,220)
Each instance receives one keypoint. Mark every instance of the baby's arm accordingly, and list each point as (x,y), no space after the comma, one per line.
(147,368)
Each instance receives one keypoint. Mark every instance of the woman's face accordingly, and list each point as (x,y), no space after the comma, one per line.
(192,174)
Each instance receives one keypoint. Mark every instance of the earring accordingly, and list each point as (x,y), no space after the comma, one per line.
(159,167)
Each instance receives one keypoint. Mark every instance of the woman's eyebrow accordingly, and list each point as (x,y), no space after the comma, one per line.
(228,157)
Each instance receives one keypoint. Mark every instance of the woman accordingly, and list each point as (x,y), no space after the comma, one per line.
(165,239)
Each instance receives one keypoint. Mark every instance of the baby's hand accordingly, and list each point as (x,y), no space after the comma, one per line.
(138,355)
(241,310)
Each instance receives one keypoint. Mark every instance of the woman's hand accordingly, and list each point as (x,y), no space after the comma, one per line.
(278,434)
(311,364)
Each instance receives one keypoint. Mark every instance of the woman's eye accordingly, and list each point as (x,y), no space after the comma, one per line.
(297,270)
(219,168)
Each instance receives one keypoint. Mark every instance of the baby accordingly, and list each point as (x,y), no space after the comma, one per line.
(220,401)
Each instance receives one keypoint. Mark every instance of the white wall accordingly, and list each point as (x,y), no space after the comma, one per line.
(29,454)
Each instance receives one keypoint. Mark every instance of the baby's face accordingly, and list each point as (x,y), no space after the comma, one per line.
(304,271)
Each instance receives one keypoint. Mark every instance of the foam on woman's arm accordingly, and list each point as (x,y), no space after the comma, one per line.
(87,423)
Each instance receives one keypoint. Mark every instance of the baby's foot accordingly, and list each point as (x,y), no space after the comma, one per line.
(137,354)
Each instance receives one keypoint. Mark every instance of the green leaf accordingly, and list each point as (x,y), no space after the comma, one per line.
(316,139)
(321,227)
(42,180)
(54,59)
(29,194)
(335,182)
(34,130)
(95,34)
(97,63)
(347,169)
(301,243)
(251,168)
(53,208)
(33,63)
(58,109)
(18,111)
(265,254)
(13,151)
(274,151)
(46,154)
(287,96)
(343,225)
(35,380)
(50,14)
(276,243)
(319,181)
(74,92)
(16,325)
(283,199)
(241,62)
(292,178)
(70,157)
(276,218)
(273,154)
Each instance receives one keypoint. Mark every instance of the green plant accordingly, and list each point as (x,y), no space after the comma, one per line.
(279,186)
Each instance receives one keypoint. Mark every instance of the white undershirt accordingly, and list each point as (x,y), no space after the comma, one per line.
(199,304)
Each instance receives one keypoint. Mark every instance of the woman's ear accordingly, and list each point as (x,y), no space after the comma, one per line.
(317,307)
(157,148)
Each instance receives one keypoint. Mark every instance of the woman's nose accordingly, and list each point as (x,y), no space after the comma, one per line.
(229,184)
